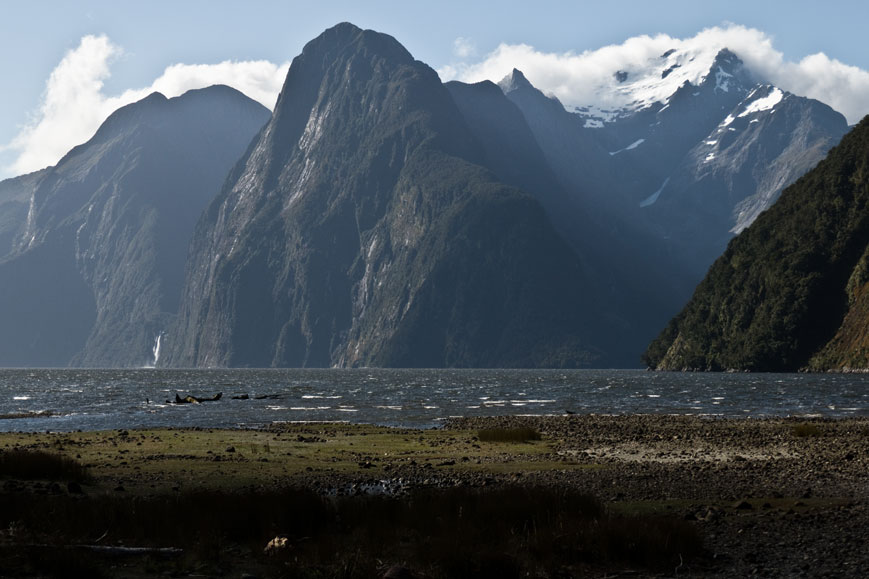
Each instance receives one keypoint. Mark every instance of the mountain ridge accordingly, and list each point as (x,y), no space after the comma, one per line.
(338,242)
(381,217)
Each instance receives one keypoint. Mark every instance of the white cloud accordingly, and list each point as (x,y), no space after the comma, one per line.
(582,79)
(464,47)
(74,103)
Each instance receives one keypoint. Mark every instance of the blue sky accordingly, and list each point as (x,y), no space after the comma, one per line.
(132,44)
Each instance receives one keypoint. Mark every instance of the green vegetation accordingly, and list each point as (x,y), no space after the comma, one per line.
(779,293)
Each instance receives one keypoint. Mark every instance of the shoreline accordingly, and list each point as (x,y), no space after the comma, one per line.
(7,421)
(775,497)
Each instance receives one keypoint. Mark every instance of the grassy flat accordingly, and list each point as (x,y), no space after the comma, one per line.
(573,496)
(148,461)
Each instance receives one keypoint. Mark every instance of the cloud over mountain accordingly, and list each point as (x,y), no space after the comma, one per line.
(587,78)
(74,102)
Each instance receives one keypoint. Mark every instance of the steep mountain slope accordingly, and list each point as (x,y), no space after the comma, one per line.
(579,161)
(15,195)
(621,153)
(508,145)
(361,229)
(100,259)
(736,172)
(634,291)
(790,290)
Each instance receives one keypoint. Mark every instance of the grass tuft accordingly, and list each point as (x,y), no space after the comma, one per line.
(516,435)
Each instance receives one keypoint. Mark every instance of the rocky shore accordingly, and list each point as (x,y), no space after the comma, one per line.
(773,497)
(768,497)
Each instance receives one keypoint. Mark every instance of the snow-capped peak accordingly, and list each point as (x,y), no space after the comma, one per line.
(658,78)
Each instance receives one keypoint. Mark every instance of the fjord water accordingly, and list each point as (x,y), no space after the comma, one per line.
(65,400)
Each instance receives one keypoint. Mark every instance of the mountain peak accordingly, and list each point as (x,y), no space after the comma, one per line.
(726,57)
(514,81)
(728,72)
(349,36)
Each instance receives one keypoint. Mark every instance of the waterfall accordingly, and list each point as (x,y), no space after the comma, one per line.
(156,349)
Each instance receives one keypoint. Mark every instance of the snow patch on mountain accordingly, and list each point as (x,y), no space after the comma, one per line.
(630,147)
(761,99)
(657,79)
(650,200)
(766,103)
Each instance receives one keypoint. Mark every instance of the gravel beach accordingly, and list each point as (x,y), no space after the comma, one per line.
(773,497)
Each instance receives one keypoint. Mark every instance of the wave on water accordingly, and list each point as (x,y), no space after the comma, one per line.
(109,399)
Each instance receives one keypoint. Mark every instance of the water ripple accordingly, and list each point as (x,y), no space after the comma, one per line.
(108,399)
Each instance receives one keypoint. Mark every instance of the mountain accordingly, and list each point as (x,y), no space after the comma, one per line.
(634,291)
(93,274)
(738,170)
(364,228)
(692,149)
(380,217)
(790,291)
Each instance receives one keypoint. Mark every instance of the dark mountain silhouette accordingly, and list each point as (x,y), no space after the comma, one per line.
(94,273)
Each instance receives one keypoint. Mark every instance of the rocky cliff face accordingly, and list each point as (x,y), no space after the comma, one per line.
(790,291)
(96,268)
(15,196)
(361,228)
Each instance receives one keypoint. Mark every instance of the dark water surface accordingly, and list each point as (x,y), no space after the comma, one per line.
(110,399)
